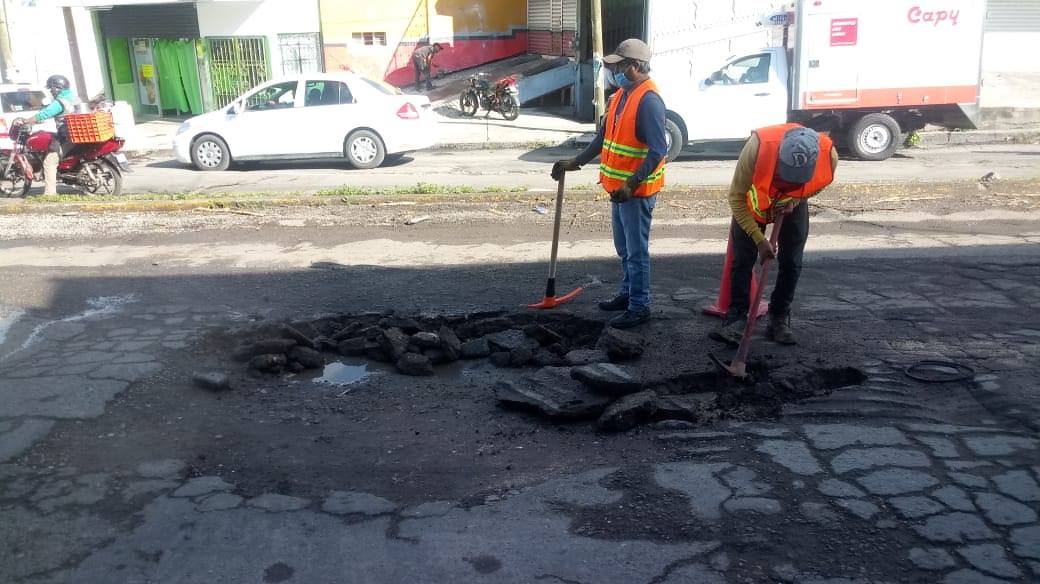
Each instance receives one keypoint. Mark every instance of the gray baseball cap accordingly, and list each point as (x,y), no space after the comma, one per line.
(798,153)
(629,49)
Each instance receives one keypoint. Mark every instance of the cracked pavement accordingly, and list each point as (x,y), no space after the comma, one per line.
(114,468)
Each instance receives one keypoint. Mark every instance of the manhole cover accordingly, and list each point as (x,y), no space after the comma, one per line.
(939,371)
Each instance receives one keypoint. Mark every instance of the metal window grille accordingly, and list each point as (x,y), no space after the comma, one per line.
(236,65)
(300,53)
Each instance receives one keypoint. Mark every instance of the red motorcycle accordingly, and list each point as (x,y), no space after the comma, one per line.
(502,97)
(95,167)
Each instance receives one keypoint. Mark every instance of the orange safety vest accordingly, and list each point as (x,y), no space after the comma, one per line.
(623,153)
(761,195)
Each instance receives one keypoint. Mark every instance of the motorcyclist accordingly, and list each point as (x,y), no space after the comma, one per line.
(64,102)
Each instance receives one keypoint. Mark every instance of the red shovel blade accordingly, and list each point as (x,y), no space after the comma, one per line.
(554,301)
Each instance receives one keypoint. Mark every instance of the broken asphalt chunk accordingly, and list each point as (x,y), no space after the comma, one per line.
(553,392)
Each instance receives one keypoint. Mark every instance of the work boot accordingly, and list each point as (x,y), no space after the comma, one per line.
(619,302)
(779,329)
(631,318)
(731,331)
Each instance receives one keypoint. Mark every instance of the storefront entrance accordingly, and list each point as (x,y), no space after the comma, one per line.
(153,55)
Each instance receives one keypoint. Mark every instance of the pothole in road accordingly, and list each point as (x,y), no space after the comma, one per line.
(561,366)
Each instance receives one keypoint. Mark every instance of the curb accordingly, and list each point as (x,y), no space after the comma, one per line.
(956,137)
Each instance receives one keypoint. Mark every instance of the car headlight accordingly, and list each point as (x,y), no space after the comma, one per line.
(184,128)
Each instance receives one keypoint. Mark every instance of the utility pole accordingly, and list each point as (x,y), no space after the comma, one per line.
(6,57)
(597,58)
(77,63)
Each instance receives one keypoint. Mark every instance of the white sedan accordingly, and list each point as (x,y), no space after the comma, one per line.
(315,116)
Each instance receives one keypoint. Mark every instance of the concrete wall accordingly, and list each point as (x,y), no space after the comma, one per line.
(267,18)
(471,31)
(1010,70)
(39,45)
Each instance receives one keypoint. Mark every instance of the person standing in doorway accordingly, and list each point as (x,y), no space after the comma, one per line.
(422,60)
(632,144)
(777,173)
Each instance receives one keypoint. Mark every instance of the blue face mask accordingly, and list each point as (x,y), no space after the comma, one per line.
(622,80)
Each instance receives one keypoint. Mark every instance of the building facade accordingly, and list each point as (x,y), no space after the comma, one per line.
(184,58)
(377,39)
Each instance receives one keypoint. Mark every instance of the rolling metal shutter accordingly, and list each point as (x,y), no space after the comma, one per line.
(539,26)
(551,26)
(1013,15)
(162,21)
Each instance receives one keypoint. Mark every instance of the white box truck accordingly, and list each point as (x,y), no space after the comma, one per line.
(867,72)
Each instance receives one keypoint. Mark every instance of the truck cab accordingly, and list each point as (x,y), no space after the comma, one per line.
(843,74)
(746,92)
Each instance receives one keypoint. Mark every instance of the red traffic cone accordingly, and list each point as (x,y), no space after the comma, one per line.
(721,306)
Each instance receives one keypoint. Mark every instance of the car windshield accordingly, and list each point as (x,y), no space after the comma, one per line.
(20,101)
(382,87)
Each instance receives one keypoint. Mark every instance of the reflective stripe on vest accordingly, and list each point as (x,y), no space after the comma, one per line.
(759,196)
(623,153)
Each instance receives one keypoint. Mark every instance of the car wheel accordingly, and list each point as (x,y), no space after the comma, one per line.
(874,137)
(675,139)
(365,149)
(208,152)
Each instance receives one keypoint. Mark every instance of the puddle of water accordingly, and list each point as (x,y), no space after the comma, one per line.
(341,374)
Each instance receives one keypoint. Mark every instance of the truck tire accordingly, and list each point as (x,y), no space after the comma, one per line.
(676,139)
(874,137)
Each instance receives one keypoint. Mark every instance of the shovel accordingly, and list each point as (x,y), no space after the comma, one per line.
(738,367)
(551,300)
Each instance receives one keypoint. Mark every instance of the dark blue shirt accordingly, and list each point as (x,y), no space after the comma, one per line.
(650,119)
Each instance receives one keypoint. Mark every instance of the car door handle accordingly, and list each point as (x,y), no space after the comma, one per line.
(763,94)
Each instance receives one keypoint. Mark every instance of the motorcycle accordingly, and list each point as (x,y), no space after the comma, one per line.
(503,97)
(96,167)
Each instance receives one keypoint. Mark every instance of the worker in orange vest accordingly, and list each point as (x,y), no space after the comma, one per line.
(632,144)
(777,172)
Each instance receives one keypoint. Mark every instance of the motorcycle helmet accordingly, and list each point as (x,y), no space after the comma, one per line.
(59,82)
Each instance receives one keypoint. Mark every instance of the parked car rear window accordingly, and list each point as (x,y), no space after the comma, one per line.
(327,93)
(21,101)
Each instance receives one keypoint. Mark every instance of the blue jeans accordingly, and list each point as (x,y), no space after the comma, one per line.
(631,223)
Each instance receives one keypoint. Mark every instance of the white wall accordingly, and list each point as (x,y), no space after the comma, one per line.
(1010,70)
(1011,52)
(40,46)
(267,18)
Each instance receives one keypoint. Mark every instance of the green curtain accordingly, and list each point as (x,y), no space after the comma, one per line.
(178,76)
(188,66)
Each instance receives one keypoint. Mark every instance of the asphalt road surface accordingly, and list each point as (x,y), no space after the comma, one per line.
(529,169)
(116,467)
